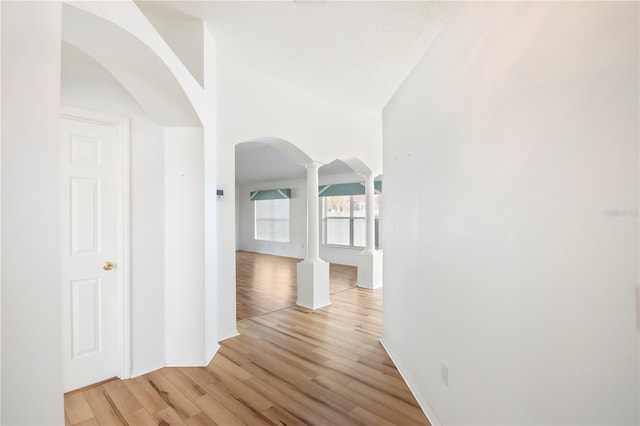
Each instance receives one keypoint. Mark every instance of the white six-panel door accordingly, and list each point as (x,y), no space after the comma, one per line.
(88,267)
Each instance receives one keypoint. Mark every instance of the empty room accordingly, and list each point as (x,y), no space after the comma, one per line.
(319,212)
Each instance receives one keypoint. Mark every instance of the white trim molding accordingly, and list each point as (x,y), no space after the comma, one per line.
(426,408)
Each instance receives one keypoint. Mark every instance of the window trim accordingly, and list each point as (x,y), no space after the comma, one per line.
(350,218)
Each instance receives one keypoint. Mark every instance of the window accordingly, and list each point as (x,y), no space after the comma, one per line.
(272,220)
(344,220)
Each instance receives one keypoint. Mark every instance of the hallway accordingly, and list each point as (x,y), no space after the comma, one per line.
(292,366)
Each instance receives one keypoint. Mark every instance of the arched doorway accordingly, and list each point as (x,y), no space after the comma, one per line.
(264,172)
(270,177)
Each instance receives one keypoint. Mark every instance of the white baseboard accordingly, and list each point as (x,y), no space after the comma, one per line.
(186,362)
(212,352)
(176,363)
(426,408)
(233,334)
(141,372)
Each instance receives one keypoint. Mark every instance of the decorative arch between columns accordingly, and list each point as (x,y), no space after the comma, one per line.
(370,259)
(313,289)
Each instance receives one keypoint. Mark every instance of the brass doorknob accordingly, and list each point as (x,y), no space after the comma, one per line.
(107,266)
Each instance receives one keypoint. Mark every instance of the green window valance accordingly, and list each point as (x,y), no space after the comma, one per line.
(346,189)
(270,194)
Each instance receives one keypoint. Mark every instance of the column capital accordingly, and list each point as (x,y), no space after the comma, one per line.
(368,176)
(313,165)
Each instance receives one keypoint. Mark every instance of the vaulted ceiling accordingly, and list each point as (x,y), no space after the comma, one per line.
(353,53)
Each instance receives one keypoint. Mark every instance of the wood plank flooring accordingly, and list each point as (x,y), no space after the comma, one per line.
(266,283)
(292,366)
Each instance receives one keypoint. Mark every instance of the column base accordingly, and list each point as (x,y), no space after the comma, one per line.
(313,284)
(370,269)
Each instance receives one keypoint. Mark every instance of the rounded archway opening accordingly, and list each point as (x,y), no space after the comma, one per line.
(265,169)
(270,223)
(343,209)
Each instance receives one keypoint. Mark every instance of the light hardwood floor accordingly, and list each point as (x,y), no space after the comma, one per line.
(291,366)
(266,283)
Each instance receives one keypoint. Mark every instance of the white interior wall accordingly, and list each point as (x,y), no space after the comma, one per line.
(237,214)
(226,234)
(147,245)
(213,293)
(86,84)
(185,36)
(252,104)
(511,217)
(340,255)
(184,243)
(31,319)
(0,218)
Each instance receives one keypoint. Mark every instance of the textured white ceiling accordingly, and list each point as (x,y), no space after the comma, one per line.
(355,53)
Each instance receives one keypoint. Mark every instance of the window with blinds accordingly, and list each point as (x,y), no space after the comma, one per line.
(344,220)
(272,220)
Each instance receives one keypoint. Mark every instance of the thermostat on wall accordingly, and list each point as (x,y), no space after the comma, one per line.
(220,194)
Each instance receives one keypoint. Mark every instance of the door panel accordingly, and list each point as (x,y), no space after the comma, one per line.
(85,216)
(85,317)
(89,291)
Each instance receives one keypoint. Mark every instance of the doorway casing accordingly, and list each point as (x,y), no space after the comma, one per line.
(123,228)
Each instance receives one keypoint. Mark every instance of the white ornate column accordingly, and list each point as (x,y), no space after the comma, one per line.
(313,272)
(370,259)
(313,225)
(371,220)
